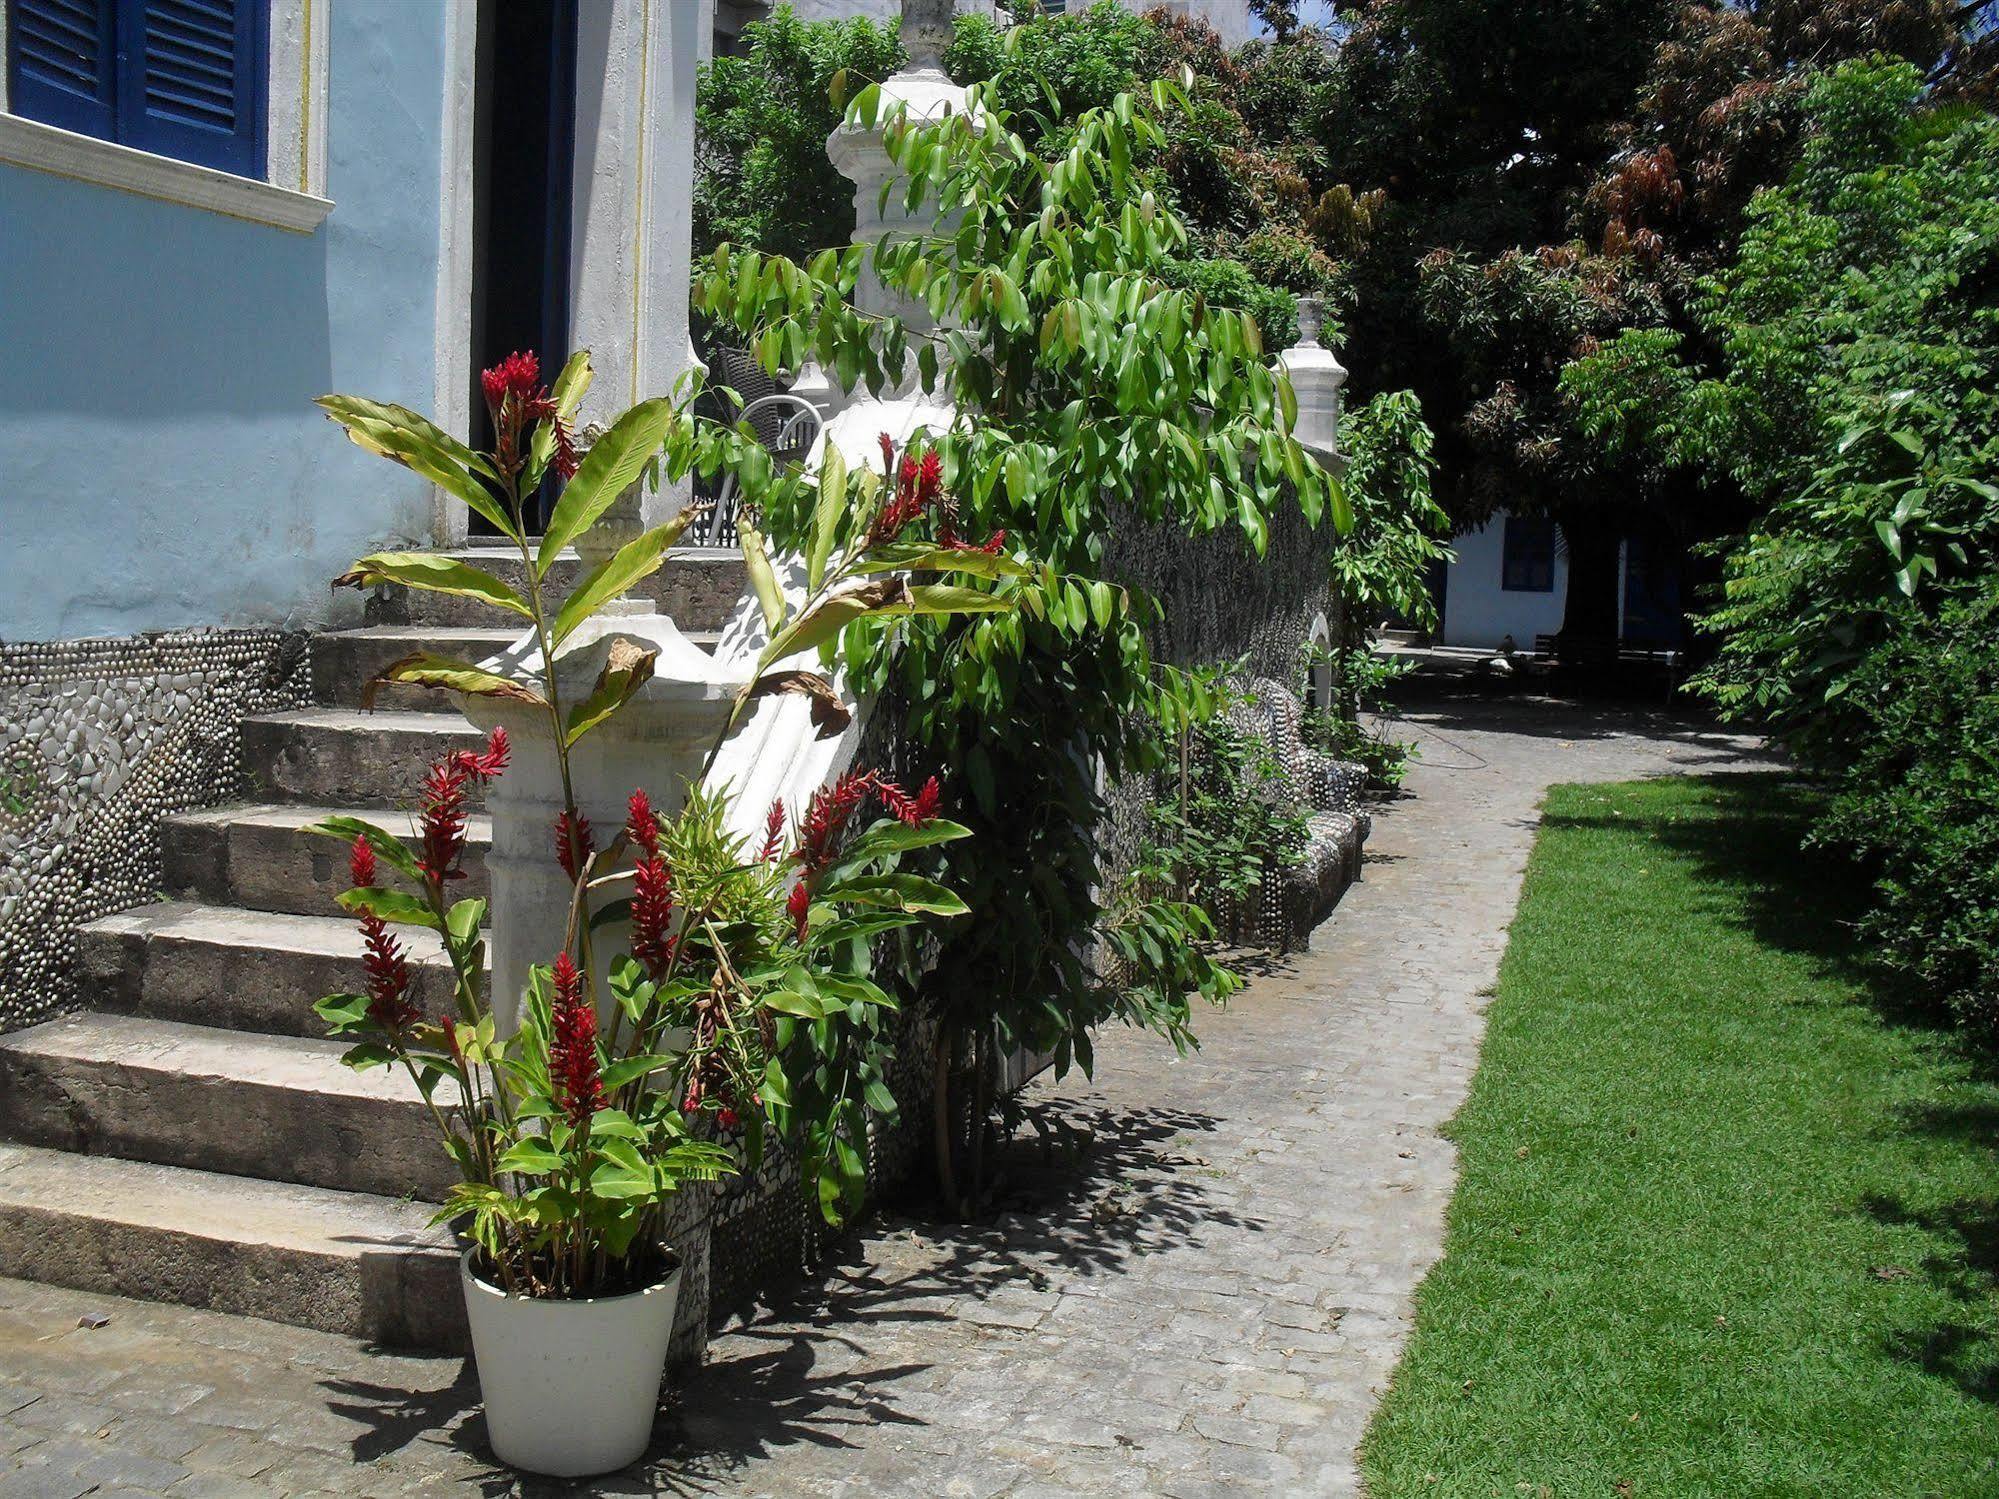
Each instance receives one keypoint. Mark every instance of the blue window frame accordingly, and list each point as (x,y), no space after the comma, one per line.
(1528,565)
(179,78)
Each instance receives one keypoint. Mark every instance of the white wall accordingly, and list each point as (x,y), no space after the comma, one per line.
(1478,612)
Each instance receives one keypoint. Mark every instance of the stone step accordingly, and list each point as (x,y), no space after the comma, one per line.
(276,1107)
(345,661)
(250,971)
(343,1262)
(697,587)
(258,857)
(345,757)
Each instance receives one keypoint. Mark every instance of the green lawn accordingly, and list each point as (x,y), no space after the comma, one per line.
(1726,1225)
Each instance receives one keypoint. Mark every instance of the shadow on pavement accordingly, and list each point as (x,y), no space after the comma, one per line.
(1082,1191)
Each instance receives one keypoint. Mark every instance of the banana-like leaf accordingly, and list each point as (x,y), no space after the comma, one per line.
(391,848)
(390,905)
(402,436)
(834,615)
(434,574)
(826,514)
(608,470)
(829,714)
(634,561)
(422,669)
(942,598)
(342,408)
(921,556)
(756,561)
(627,668)
(901,892)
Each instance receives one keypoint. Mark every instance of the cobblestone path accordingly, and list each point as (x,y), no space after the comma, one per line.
(1200,1287)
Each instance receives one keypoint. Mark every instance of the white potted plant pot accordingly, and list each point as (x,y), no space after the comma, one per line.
(570,1387)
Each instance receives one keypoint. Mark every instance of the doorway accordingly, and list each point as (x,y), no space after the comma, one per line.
(524,132)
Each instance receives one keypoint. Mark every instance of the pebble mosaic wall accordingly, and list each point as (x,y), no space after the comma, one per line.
(100,739)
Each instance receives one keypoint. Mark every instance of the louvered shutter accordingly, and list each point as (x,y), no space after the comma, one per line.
(62,63)
(191,80)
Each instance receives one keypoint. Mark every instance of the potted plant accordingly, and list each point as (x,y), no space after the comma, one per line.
(744,1004)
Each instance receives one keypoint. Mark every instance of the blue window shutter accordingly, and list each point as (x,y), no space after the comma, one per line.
(191,80)
(62,58)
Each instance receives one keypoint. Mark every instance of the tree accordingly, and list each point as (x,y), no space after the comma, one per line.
(1549,175)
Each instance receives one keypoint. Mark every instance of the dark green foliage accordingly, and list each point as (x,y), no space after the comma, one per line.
(1226,283)
(1854,391)
(1225,819)
(761,175)
(1918,805)
(1722,1229)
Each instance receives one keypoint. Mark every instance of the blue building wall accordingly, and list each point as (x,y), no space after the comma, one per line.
(161,465)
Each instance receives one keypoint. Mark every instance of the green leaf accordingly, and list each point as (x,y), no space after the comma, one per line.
(567,394)
(610,468)
(627,668)
(342,1011)
(921,556)
(422,669)
(433,574)
(626,1069)
(391,905)
(531,1156)
(826,512)
(633,562)
(756,562)
(890,837)
(399,434)
(902,892)
(387,845)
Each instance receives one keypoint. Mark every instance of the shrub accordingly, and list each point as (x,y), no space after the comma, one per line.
(1855,393)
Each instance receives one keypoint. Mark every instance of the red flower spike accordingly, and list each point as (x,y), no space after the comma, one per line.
(573,844)
(389,1006)
(798,906)
(888,454)
(572,1047)
(826,815)
(928,801)
(653,942)
(642,824)
(928,477)
(361,861)
(773,833)
(726,1118)
(451,1041)
(487,763)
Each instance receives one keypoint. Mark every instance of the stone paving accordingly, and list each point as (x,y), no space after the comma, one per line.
(1199,1283)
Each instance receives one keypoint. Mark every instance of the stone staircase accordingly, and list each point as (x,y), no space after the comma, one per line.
(192,1137)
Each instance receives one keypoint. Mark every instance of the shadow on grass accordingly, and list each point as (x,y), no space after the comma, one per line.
(1085,1190)
(1749,845)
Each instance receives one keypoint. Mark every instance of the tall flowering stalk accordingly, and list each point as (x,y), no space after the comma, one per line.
(741,1001)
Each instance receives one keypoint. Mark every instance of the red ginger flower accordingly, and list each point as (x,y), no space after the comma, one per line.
(827,814)
(441,819)
(912,811)
(653,942)
(361,861)
(773,833)
(518,375)
(389,1006)
(451,1041)
(518,400)
(642,823)
(798,906)
(573,844)
(572,1048)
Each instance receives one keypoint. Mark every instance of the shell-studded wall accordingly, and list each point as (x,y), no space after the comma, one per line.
(100,739)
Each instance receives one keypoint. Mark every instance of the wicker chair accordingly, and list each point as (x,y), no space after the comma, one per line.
(785,424)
